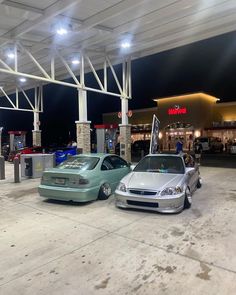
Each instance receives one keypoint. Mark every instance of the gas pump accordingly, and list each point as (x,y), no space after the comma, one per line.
(106,138)
(17,140)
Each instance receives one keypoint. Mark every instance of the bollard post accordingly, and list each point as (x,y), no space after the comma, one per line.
(2,167)
(16,163)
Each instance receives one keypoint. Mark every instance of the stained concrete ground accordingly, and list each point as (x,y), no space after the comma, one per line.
(62,248)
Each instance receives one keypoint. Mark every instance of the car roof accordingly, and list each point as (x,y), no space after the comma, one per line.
(167,155)
(95,155)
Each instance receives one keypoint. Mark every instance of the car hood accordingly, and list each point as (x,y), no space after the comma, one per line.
(151,180)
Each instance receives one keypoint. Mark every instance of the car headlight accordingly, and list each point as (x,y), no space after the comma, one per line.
(172,191)
(121,187)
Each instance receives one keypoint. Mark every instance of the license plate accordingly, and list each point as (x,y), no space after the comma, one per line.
(60,180)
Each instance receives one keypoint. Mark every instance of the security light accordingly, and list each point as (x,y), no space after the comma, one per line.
(22,80)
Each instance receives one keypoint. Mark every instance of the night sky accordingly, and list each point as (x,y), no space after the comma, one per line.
(208,66)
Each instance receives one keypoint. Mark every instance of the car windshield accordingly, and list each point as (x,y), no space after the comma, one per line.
(80,163)
(161,164)
(202,139)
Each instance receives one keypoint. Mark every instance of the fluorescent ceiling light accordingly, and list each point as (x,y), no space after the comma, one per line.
(61,31)
(22,80)
(10,55)
(125,45)
(75,61)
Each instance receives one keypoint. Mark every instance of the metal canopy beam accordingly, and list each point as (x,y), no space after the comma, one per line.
(42,75)
(154,26)
(35,101)
(23,7)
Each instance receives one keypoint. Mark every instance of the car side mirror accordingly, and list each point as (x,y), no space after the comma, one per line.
(189,170)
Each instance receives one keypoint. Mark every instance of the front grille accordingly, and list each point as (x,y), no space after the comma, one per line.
(142,192)
(143,204)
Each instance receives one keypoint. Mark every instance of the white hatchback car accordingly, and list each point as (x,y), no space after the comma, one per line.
(159,182)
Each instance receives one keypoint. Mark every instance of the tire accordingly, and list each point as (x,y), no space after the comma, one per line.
(188,199)
(199,184)
(104,192)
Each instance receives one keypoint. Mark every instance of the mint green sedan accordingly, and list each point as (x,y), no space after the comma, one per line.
(84,178)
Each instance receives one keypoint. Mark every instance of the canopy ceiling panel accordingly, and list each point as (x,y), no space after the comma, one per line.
(98,27)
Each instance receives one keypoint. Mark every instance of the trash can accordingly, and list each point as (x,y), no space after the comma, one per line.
(28,167)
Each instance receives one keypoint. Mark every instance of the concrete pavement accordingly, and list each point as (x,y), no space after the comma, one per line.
(62,248)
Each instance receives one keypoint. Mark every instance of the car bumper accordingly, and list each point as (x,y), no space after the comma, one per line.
(169,204)
(68,194)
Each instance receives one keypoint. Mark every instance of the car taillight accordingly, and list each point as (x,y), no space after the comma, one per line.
(83,181)
(79,181)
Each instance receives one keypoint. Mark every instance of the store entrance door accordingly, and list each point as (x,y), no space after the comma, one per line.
(172,135)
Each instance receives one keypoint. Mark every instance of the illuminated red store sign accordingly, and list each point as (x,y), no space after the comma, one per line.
(177,110)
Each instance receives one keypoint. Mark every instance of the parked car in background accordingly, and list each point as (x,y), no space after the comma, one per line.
(159,182)
(63,153)
(210,144)
(26,150)
(233,148)
(140,147)
(84,178)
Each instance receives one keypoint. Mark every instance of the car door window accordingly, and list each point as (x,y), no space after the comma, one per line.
(118,162)
(106,164)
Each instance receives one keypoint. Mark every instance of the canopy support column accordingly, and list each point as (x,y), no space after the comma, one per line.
(125,132)
(1,140)
(83,125)
(36,133)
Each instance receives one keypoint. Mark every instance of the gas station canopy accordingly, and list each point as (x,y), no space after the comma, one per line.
(48,37)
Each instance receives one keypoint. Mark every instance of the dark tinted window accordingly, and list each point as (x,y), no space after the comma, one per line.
(37,150)
(202,139)
(106,164)
(118,162)
(161,164)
